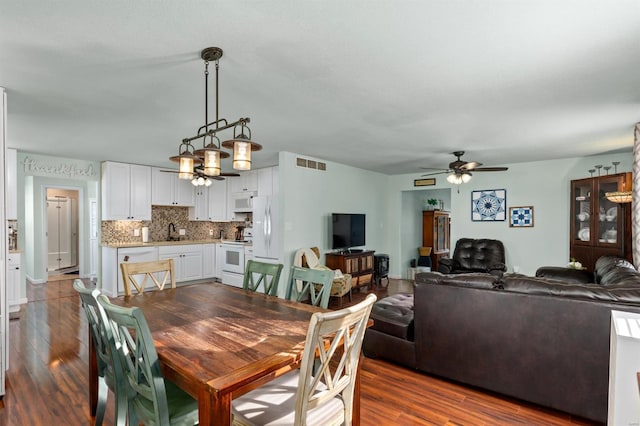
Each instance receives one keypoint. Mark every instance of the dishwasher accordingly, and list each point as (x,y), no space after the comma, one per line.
(134,254)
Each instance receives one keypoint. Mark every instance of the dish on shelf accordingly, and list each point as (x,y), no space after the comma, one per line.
(611,234)
(612,213)
(584,216)
(612,240)
(584,234)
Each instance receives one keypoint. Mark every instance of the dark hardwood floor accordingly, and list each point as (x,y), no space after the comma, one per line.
(47,379)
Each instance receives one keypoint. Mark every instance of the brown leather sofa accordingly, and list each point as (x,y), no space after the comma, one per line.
(540,339)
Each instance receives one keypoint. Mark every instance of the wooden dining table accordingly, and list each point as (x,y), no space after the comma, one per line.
(218,342)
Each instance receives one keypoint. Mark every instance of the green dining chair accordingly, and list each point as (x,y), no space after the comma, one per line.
(109,369)
(261,273)
(317,394)
(153,400)
(310,284)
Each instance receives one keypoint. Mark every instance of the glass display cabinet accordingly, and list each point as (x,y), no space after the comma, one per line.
(598,226)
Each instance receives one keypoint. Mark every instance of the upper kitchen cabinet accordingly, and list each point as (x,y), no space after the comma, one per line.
(168,190)
(126,191)
(210,203)
(12,184)
(246,182)
(268,181)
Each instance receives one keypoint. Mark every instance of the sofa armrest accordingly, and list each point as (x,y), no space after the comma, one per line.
(568,275)
(446,265)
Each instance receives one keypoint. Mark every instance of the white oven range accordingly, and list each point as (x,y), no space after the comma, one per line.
(232,258)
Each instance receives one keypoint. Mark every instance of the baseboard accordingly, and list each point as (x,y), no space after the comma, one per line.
(34,281)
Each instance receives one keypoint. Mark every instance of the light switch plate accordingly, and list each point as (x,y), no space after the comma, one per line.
(182,232)
(136,232)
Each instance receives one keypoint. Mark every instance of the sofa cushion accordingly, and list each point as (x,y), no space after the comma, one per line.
(568,275)
(610,269)
(394,315)
(471,279)
(624,291)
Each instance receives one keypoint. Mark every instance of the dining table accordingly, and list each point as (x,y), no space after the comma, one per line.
(218,342)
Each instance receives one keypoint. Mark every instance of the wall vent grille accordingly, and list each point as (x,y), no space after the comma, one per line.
(311,164)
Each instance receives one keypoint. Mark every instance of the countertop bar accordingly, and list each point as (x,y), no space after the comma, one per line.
(172,243)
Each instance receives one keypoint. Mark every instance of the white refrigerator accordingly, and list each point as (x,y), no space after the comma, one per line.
(266,232)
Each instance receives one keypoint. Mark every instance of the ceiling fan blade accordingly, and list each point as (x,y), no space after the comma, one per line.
(170,171)
(438,173)
(471,165)
(491,169)
(230,174)
(433,168)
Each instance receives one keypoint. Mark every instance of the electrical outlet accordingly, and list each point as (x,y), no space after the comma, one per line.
(182,232)
(136,232)
(211,232)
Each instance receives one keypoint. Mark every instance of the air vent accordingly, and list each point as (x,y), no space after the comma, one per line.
(311,164)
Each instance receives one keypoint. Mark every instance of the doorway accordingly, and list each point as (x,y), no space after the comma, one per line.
(62,231)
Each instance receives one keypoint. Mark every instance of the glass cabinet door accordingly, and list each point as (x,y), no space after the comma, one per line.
(607,220)
(582,210)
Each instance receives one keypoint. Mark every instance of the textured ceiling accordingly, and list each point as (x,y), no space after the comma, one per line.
(389,86)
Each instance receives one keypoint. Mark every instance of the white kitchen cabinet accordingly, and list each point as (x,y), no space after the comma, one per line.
(246,182)
(12,184)
(187,260)
(208,260)
(14,273)
(168,190)
(267,181)
(126,191)
(210,203)
(201,209)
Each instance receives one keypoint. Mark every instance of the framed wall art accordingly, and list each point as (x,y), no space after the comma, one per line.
(488,205)
(521,217)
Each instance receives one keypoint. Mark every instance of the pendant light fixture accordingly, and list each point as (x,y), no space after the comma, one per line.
(210,154)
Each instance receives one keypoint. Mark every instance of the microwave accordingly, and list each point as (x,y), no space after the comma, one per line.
(243,203)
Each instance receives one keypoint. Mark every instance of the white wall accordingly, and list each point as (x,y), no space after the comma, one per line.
(545,185)
(308,197)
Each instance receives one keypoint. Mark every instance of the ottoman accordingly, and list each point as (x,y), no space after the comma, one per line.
(391,335)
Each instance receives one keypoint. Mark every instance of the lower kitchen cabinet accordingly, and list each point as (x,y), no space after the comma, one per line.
(187,260)
(208,260)
(14,273)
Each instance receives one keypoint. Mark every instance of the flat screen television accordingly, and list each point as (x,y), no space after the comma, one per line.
(347,230)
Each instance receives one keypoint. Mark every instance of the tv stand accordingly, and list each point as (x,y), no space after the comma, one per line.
(348,251)
(359,263)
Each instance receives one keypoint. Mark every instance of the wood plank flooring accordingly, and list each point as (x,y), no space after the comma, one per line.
(47,380)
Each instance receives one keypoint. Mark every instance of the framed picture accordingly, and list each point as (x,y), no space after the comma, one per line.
(424,182)
(521,217)
(488,205)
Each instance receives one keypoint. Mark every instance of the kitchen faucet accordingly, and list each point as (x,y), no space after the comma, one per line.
(169,237)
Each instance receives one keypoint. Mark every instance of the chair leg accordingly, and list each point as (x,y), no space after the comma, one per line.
(103,392)
(350,296)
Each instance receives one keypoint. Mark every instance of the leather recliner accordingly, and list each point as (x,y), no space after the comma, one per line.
(475,255)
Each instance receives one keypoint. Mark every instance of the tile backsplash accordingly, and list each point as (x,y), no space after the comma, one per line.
(121,231)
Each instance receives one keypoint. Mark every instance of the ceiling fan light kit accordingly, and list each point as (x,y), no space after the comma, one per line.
(459,171)
(210,154)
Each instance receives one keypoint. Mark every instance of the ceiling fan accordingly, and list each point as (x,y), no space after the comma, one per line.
(460,171)
(200,178)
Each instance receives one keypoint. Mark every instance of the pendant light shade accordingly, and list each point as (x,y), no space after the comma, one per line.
(211,155)
(458,179)
(242,146)
(186,160)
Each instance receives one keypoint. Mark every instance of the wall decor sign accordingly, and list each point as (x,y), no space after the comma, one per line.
(488,205)
(44,168)
(424,182)
(521,217)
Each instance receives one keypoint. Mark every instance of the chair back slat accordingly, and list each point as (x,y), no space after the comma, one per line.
(336,337)
(134,346)
(261,274)
(311,284)
(159,271)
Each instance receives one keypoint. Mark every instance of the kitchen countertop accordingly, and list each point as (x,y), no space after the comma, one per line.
(173,243)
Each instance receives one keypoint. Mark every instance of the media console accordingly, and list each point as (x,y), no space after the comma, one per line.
(359,264)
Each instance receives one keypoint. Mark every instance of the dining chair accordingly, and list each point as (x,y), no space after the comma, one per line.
(312,283)
(261,273)
(109,369)
(158,270)
(301,397)
(152,399)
